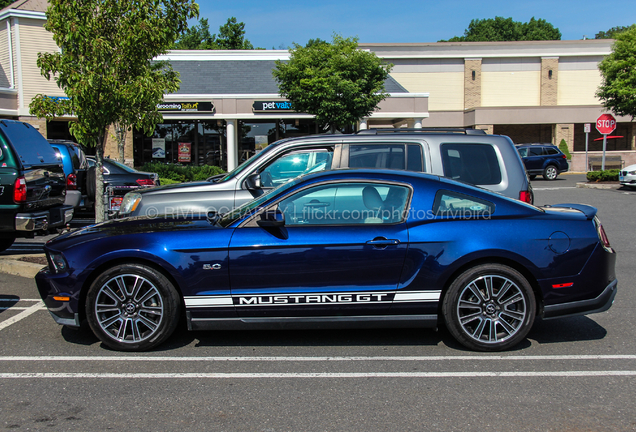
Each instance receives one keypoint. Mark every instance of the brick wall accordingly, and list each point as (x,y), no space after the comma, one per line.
(472,87)
(39,124)
(549,81)
(520,134)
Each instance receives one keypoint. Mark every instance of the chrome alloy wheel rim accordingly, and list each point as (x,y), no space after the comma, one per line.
(491,309)
(551,172)
(129,308)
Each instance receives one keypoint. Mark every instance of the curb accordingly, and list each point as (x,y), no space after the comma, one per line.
(10,265)
(605,186)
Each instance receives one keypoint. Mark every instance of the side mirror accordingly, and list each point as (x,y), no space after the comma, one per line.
(254,182)
(271,219)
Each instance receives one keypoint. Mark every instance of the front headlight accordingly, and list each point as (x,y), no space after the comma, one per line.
(58,263)
(632,173)
(130,203)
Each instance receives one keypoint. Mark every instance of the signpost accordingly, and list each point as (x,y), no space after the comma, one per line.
(605,124)
(587,129)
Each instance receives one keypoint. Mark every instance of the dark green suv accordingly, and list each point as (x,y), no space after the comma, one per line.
(32,184)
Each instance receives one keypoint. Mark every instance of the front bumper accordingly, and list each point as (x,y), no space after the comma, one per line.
(51,285)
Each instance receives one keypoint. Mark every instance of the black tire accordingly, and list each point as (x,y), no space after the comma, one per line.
(90,183)
(532,176)
(489,319)
(6,243)
(140,316)
(550,172)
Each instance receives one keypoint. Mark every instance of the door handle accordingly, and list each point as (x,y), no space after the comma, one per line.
(383,241)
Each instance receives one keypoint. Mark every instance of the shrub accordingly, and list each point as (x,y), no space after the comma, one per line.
(603,176)
(563,146)
(181,173)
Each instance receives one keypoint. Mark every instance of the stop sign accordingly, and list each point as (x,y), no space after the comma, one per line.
(605,124)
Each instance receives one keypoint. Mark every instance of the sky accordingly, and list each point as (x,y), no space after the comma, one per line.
(278,24)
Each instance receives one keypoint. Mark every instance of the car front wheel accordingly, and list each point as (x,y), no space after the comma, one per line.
(132,307)
(489,307)
(550,172)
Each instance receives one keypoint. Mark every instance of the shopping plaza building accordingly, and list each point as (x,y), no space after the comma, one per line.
(228,105)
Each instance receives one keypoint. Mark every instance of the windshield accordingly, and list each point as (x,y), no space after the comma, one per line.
(229,218)
(247,163)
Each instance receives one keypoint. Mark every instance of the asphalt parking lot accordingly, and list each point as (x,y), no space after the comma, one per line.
(570,374)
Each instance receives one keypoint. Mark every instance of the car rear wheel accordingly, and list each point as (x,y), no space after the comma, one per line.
(550,172)
(489,307)
(6,243)
(132,307)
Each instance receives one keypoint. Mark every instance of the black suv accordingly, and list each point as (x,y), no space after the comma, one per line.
(543,159)
(32,184)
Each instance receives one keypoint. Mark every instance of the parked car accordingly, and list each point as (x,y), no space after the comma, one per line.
(32,184)
(627,176)
(342,248)
(543,159)
(75,165)
(119,179)
(469,155)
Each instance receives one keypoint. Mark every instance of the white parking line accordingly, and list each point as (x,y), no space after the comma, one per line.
(603,373)
(484,357)
(554,188)
(25,313)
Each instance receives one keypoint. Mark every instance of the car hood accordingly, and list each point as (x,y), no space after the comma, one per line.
(178,188)
(629,168)
(130,226)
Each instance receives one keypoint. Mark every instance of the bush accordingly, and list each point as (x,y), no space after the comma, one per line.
(563,146)
(603,176)
(173,173)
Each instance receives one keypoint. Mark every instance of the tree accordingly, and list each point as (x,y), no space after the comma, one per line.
(505,29)
(197,37)
(5,3)
(231,37)
(336,82)
(106,68)
(611,33)
(618,88)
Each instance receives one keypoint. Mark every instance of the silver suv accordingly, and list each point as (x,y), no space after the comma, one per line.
(469,155)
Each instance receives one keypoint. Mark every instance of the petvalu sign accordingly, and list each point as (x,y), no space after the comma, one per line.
(186,106)
(272,106)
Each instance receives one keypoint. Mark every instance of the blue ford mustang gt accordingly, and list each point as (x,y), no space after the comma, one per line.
(344,248)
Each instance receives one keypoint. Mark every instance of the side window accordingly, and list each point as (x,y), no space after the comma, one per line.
(414,159)
(291,165)
(472,163)
(346,204)
(551,151)
(523,152)
(457,205)
(392,156)
(536,151)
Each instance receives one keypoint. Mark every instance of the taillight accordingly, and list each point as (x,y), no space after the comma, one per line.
(564,156)
(602,236)
(525,196)
(145,182)
(71,182)
(20,190)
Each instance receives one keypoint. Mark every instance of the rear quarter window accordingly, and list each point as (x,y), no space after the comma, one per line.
(29,145)
(471,163)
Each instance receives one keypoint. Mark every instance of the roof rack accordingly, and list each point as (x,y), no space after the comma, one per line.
(466,131)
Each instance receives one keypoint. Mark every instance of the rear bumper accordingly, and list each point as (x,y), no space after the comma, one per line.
(41,221)
(601,303)
(73,198)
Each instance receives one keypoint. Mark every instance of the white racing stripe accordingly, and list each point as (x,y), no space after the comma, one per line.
(485,357)
(604,373)
(25,313)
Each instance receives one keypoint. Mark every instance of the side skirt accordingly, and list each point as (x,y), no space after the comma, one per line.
(303,323)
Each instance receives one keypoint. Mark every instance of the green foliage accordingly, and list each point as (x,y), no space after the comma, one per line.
(105,65)
(603,176)
(563,146)
(618,88)
(5,3)
(611,33)
(336,82)
(231,37)
(505,29)
(181,173)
